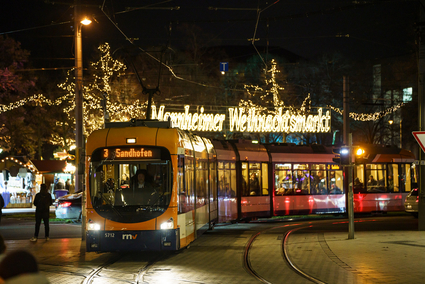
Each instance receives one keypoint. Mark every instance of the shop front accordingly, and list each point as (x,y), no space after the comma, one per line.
(55,174)
(18,182)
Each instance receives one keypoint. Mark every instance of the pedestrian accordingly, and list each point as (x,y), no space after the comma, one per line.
(42,202)
(68,185)
(21,267)
(1,205)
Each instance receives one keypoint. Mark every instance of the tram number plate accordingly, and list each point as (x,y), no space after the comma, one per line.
(109,235)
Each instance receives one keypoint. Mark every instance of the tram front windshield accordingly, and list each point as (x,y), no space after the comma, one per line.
(130,190)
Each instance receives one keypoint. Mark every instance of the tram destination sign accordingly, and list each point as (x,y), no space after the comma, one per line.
(128,153)
(242,119)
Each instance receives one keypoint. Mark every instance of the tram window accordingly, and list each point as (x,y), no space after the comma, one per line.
(393,180)
(213,182)
(189,176)
(413,172)
(220,165)
(227,180)
(245,189)
(232,180)
(335,182)
(358,179)
(407,177)
(283,179)
(201,183)
(265,181)
(300,179)
(254,179)
(318,181)
(125,174)
(180,184)
(222,180)
(377,178)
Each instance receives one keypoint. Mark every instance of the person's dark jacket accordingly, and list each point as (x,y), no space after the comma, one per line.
(42,202)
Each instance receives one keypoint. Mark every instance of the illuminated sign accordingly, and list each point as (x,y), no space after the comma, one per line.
(281,122)
(131,153)
(247,120)
(187,121)
(334,167)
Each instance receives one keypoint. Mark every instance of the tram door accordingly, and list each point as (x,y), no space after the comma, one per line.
(255,189)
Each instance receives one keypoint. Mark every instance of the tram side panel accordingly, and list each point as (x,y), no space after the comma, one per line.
(201,185)
(256,190)
(193,187)
(226,178)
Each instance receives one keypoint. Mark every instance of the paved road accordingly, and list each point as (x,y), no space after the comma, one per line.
(385,250)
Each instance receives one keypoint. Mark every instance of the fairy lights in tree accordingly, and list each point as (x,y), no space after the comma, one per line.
(368,116)
(265,94)
(108,70)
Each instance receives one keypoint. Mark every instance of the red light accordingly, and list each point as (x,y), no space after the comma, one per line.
(417,199)
(65,204)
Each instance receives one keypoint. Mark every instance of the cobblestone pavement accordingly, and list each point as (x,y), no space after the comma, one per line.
(217,257)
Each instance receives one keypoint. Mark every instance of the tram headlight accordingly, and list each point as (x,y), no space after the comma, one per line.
(93,227)
(169,224)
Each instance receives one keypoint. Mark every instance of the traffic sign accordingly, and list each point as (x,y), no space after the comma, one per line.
(420,138)
(224,66)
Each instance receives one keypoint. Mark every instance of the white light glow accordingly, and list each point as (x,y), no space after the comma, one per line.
(93,227)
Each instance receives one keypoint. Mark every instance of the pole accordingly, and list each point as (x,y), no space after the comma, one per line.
(79,142)
(350,198)
(346,97)
(421,99)
(346,137)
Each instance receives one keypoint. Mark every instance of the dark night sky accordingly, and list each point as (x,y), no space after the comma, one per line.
(307,28)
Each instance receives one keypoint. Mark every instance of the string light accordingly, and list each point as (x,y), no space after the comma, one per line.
(28,166)
(368,116)
(108,67)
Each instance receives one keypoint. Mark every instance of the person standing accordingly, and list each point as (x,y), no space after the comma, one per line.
(42,202)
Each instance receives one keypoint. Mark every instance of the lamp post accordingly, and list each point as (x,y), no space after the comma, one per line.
(401,131)
(79,137)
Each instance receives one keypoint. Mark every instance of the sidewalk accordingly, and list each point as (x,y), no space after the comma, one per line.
(371,257)
(9,211)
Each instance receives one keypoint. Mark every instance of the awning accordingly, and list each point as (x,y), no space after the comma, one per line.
(49,166)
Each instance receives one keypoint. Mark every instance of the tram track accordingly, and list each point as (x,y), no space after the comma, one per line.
(95,273)
(120,261)
(284,244)
(291,264)
(119,268)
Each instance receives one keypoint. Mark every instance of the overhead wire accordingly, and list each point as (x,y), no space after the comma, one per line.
(170,69)
(33,28)
(255,32)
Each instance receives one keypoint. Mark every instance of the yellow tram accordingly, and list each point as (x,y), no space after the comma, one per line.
(140,187)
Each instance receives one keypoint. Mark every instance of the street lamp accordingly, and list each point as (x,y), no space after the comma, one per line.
(79,140)
(401,131)
(79,137)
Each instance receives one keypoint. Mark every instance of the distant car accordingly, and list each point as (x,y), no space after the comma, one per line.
(69,206)
(411,202)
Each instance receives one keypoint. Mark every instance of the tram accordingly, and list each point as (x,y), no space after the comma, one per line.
(151,187)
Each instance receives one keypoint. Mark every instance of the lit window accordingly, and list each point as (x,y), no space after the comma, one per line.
(407,95)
